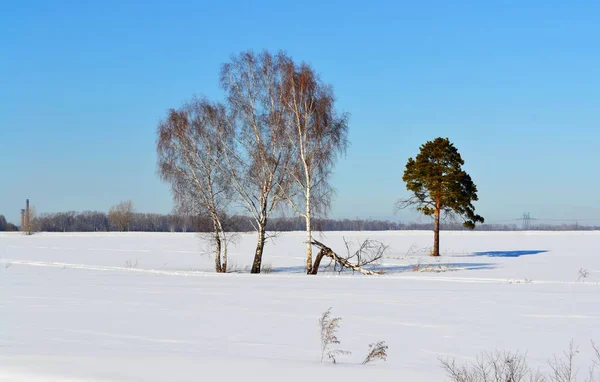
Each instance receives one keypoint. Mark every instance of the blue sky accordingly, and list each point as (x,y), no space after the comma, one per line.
(514,84)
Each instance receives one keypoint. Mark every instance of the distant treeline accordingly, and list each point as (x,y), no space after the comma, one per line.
(6,226)
(96,221)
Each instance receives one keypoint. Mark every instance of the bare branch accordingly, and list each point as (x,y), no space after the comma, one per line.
(328,252)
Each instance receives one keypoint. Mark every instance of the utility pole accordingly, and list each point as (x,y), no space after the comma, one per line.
(526,221)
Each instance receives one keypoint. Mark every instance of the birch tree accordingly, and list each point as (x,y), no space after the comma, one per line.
(121,215)
(258,154)
(31,221)
(318,134)
(190,156)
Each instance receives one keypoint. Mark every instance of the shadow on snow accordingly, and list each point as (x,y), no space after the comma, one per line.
(432,267)
(435,267)
(517,253)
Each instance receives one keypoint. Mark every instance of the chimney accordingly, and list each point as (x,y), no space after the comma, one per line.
(22,226)
(27,213)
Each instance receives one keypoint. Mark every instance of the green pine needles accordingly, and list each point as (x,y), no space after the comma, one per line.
(439,186)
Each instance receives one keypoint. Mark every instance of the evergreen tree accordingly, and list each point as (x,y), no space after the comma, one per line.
(440,186)
(3,223)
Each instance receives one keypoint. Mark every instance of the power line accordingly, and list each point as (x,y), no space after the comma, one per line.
(542,219)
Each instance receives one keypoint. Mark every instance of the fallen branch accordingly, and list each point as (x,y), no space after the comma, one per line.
(328,252)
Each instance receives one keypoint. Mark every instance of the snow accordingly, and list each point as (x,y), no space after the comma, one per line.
(71,309)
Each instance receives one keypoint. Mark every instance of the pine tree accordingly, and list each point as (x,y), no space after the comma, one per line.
(440,186)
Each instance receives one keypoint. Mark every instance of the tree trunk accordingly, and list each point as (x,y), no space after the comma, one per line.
(307,217)
(218,266)
(218,243)
(224,260)
(259,247)
(315,268)
(223,246)
(436,233)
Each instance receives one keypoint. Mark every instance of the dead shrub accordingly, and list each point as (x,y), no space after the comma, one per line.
(512,367)
(329,327)
(377,350)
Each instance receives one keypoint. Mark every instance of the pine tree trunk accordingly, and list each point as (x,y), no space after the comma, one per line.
(436,233)
(259,247)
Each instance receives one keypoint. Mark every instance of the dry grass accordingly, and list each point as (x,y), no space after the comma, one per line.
(266,268)
(377,350)
(512,367)
(329,327)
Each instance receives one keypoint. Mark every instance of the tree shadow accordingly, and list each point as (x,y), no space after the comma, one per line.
(425,267)
(517,253)
(435,267)
(294,269)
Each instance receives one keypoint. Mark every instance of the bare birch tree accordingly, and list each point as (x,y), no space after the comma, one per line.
(318,133)
(189,158)
(31,221)
(258,153)
(121,215)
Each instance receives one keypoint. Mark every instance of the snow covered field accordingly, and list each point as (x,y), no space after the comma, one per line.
(77,307)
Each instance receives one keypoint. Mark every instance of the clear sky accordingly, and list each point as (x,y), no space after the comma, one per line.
(514,84)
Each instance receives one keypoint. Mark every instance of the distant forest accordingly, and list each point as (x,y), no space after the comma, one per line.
(96,221)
